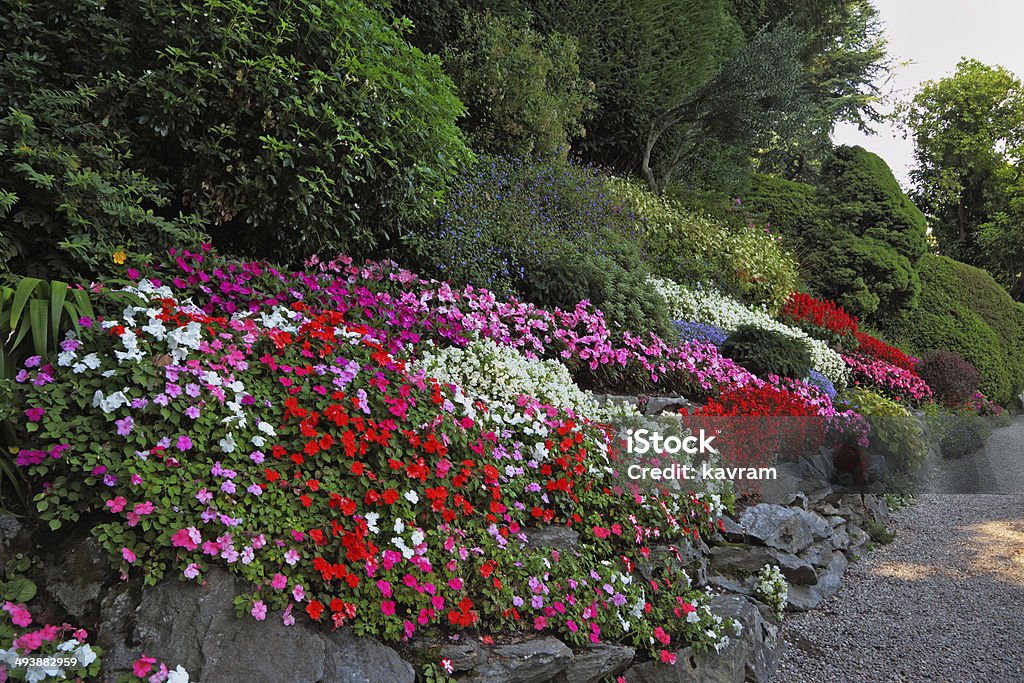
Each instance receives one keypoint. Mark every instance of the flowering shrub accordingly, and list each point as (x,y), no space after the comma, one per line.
(403,311)
(502,374)
(876,348)
(824,319)
(894,430)
(293,448)
(891,380)
(816,379)
(702,332)
(714,308)
(772,588)
(953,379)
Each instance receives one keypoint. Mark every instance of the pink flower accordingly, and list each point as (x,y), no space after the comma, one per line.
(446,664)
(189,538)
(287,619)
(540,623)
(298,593)
(19,615)
(143,665)
(387,607)
(280,581)
(259,610)
(191,571)
(117,504)
(35,414)
(667,657)
(128,555)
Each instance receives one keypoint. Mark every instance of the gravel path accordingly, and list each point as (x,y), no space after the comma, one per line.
(943,602)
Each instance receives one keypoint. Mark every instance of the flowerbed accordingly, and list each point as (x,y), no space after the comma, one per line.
(891,380)
(713,308)
(293,448)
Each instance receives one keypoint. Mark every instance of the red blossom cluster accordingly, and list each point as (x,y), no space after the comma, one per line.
(878,349)
(821,313)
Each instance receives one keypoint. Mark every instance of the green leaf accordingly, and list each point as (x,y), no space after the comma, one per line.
(21,296)
(40,321)
(19,589)
(58,294)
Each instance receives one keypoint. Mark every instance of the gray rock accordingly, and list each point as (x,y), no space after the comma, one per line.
(197,627)
(818,470)
(597,663)
(557,537)
(803,598)
(818,555)
(533,661)
(77,576)
(728,666)
(840,538)
(778,526)
(745,561)
(859,540)
(820,527)
(353,659)
(732,530)
(876,508)
(686,556)
(760,632)
(464,656)
(785,487)
(656,405)
(740,586)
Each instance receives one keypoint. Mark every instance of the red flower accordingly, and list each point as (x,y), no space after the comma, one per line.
(314,609)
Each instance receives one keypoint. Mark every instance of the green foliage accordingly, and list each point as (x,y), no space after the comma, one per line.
(866,277)
(858,235)
(965,433)
(34,315)
(964,310)
(895,431)
(968,130)
(867,201)
(549,231)
(878,532)
(744,261)
(523,89)
(767,352)
(69,195)
(286,127)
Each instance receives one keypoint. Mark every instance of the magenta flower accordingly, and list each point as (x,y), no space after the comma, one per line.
(259,610)
(35,414)
(128,555)
(184,443)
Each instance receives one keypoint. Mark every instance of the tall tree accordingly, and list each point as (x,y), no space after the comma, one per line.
(968,129)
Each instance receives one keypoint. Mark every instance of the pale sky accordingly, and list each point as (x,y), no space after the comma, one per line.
(933,35)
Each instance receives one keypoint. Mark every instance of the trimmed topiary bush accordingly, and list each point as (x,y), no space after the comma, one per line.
(952,379)
(767,352)
(964,310)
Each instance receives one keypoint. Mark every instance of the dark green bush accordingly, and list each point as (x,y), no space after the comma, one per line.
(952,379)
(767,352)
(965,434)
(858,235)
(523,90)
(548,231)
(964,310)
(866,277)
(68,197)
(866,200)
(286,127)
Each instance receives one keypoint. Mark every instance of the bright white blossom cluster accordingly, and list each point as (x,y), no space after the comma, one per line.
(500,374)
(712,307)
(772,589)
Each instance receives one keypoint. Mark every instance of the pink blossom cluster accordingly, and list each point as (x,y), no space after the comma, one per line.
(898,382)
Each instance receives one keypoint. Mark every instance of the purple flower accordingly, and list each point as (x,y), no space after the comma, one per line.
(124,426)
(184,443)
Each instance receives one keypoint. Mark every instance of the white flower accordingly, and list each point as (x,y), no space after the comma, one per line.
(179,675)
(371,522)
(109,404)
(418,537)
(399,526)
(266,428)
(227,444)
(412,497)
(85,655)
